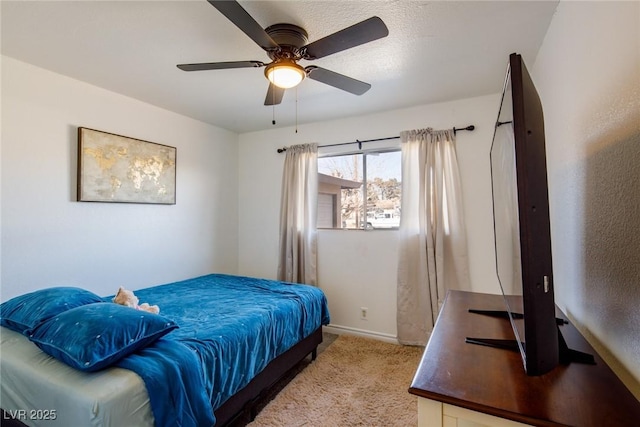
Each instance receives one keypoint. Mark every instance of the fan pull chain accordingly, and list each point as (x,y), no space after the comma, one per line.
(296,109)
(273,107)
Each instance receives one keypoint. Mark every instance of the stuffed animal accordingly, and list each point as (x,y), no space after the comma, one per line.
(128,298)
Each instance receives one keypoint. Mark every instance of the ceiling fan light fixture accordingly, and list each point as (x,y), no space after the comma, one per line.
(285,74)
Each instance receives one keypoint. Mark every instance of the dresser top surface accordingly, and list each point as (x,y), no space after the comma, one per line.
(494,381)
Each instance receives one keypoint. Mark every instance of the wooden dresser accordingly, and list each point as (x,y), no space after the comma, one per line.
(461,384)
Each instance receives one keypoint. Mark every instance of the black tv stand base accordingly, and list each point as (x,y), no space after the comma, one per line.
(490,342)
(503,314)
(567,355)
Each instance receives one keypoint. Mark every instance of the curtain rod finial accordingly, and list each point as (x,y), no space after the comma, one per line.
(469,128)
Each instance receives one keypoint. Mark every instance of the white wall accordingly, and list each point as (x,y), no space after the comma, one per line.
(588,76)
(50,239)
(358,268)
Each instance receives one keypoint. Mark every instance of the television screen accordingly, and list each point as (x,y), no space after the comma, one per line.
(521,219)
(522,229)
(505,213)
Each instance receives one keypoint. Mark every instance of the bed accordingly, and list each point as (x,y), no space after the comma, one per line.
(223,340)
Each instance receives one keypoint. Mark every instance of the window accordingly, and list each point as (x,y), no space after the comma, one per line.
(360,191)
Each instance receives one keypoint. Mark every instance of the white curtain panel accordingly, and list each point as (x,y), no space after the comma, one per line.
(298,212)
(433,244)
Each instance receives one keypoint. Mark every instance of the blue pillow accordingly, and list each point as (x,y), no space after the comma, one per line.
(95,336)
(26,311)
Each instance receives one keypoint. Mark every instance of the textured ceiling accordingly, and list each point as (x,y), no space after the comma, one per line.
(435,51)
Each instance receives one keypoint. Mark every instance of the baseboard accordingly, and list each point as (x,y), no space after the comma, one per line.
(346,330)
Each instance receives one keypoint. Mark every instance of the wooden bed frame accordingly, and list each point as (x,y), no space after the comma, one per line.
(243,403)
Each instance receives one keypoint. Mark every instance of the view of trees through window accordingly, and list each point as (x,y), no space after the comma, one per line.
(360,191)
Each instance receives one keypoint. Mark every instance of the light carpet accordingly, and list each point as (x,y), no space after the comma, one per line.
(355,381)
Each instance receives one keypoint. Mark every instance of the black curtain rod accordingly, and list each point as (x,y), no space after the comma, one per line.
(455,130)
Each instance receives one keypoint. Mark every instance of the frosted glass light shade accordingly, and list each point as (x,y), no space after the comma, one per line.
(285,74)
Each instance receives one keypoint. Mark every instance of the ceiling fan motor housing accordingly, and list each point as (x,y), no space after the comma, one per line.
(290,38)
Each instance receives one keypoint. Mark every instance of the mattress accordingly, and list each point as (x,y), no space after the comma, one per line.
(230,329)
(59,395)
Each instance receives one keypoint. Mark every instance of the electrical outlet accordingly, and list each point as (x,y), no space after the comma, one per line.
(363,313)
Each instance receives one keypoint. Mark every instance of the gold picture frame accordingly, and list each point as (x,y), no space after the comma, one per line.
(118,169)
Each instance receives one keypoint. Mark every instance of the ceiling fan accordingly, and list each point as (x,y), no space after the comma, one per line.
(286,44)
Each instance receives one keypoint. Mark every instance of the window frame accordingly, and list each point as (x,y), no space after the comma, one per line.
(364,153)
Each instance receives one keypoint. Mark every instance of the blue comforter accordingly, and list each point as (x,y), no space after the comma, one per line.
(231,327)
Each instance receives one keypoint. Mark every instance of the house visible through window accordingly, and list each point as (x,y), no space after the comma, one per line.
(360,191)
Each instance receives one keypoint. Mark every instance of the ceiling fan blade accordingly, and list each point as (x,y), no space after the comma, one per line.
(219,65)
(363,32)
(338,80)
(241,18)
(274,95)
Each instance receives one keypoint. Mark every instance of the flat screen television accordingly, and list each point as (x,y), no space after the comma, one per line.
(521,218)
(522,227)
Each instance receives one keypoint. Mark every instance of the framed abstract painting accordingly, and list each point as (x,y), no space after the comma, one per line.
(115,168)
